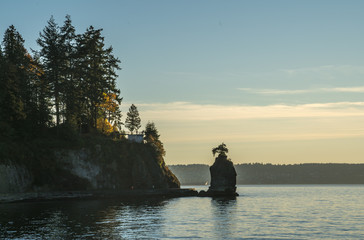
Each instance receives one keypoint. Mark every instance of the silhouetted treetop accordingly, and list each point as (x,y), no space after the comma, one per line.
(221,150)
(132,121)
(71,80)
(151,136)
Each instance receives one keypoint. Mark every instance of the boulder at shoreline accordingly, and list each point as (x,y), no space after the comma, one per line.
(223,178)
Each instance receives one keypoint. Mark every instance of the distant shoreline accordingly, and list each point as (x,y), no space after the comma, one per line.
(267,174)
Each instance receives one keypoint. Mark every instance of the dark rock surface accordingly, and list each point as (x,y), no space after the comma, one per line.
(223,178)
(99,164)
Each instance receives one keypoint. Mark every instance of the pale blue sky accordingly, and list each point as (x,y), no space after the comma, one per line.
(250,73)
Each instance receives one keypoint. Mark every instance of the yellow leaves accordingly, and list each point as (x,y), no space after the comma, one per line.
(107,107)
(104,126)
(109,102)
(33,67)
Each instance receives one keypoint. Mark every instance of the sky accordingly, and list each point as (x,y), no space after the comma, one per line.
(278,82)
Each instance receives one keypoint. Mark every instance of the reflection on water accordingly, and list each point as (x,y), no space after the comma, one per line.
(129,219)
(224,216)
(80,219)
(275,212)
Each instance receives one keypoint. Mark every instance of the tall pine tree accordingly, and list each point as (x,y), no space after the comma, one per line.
(71,86)
(52,57)
(2,85)
(23,99)
(96,69)
(11,102)
(132,121)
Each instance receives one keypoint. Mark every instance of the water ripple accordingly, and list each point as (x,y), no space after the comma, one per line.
(261,212)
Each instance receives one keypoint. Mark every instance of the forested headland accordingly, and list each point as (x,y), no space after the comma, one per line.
(257,173)
(70,80)
(60,117)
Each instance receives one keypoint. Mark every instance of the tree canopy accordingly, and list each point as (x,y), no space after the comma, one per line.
(70,80)
(221,150)
(151,136)
(132,121)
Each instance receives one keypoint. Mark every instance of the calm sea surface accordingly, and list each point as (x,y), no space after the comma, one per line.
(260,212)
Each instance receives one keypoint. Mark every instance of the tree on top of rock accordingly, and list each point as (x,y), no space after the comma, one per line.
(132,121)
(221,150)
(152,138)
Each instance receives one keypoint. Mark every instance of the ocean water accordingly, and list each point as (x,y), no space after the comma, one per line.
(260,212)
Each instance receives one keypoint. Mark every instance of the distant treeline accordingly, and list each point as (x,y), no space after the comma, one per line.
(257,173)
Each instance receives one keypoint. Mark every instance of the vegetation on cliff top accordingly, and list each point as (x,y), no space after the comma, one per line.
(64,96)
(70,81)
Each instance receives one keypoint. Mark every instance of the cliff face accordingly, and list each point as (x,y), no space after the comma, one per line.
(14,178)
(98,166)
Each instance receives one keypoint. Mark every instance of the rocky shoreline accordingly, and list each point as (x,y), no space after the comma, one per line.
(105,194)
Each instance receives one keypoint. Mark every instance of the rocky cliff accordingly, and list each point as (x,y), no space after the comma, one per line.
(97,164)
(223,178)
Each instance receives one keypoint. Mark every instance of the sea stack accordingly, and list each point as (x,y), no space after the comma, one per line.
(223,175)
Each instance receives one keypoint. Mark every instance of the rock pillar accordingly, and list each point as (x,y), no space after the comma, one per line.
(223,178)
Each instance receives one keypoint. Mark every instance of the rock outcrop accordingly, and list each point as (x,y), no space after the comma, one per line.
(14,178)
(223,178)
(97,165)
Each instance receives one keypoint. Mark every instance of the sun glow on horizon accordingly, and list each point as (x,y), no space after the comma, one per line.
(260,133)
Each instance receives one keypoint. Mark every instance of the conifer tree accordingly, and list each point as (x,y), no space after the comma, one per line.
(151,136)
(39,112)
(71,85)
(51,57)
(96,68)
(132,121)
(111,65)
(2,84)
(221,150)
(23,87)
(11,100)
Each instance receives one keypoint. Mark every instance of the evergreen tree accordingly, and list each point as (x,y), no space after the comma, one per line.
(96,69)
(23,98)
(151,136)
(13,61)
(221,150)
(132,121)
(40,103)
(151,133)
(2,65)
(112,64)
(90,50)
(2,85)
(52,57)
(71,85)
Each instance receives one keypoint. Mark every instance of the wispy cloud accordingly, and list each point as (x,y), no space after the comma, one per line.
(276,91)
(185,111)
(325,69)
(197,127)
(358,89)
